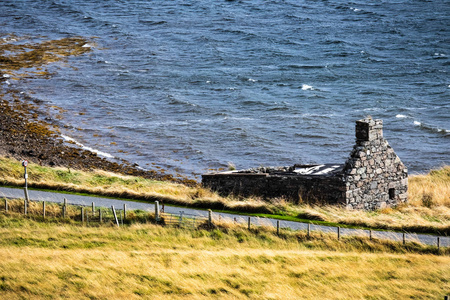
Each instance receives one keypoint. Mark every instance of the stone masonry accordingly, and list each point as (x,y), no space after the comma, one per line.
(373,176)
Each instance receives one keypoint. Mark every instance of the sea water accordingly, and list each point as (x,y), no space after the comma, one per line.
(190,86)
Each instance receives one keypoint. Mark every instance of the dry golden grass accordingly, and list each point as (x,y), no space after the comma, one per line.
(98,182)
(432,189)
(427,211)
(51,261)
(405,217)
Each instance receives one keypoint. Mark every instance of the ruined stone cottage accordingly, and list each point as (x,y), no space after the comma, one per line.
(372,177)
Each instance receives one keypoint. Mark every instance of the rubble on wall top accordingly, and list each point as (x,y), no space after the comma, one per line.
(296,170)
(326,169)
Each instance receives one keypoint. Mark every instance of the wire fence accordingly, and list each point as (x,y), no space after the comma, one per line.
(183,220)
(92,215)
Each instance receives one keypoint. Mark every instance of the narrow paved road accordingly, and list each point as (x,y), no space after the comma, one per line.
(106,202)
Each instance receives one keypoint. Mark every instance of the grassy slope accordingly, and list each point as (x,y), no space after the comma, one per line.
(48,260)
(428,209)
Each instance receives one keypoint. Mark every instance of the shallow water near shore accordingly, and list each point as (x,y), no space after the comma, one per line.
(192,86)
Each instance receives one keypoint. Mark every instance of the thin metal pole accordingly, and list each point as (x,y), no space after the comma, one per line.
(24,164)
(43,209)
(25,207)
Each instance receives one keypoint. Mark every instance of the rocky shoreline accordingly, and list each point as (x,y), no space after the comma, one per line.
(25,135)
(27,129)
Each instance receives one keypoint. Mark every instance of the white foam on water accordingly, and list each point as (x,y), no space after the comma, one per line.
(306,87)
(417,123)
(400,116)
(238,118)
(98,152)
(252,80)
(87,46)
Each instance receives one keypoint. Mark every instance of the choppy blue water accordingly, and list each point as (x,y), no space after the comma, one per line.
(193,85)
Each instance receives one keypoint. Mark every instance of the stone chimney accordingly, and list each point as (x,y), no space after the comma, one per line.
(368,130)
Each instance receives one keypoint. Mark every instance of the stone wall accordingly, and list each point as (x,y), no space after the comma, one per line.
(373,176)
(322,189)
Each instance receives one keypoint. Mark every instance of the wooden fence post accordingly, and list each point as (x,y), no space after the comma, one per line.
(100,216)
(64,208)
(181,217)
(404,238)
(115,215)
(25,207)
(6,205)
(124,212)
(82,215)
(157,211)
(438,243)
(209,218)
(93,209)
(339,233)
(278,227)
(43,209)
(249,223)
(370,234)
(309,229)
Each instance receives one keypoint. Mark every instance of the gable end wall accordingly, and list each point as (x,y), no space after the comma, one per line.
(374,175)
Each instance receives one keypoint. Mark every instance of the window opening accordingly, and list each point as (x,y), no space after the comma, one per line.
(391,194)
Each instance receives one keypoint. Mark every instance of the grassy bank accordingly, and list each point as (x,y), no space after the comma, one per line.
(51,260)
(427,211)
